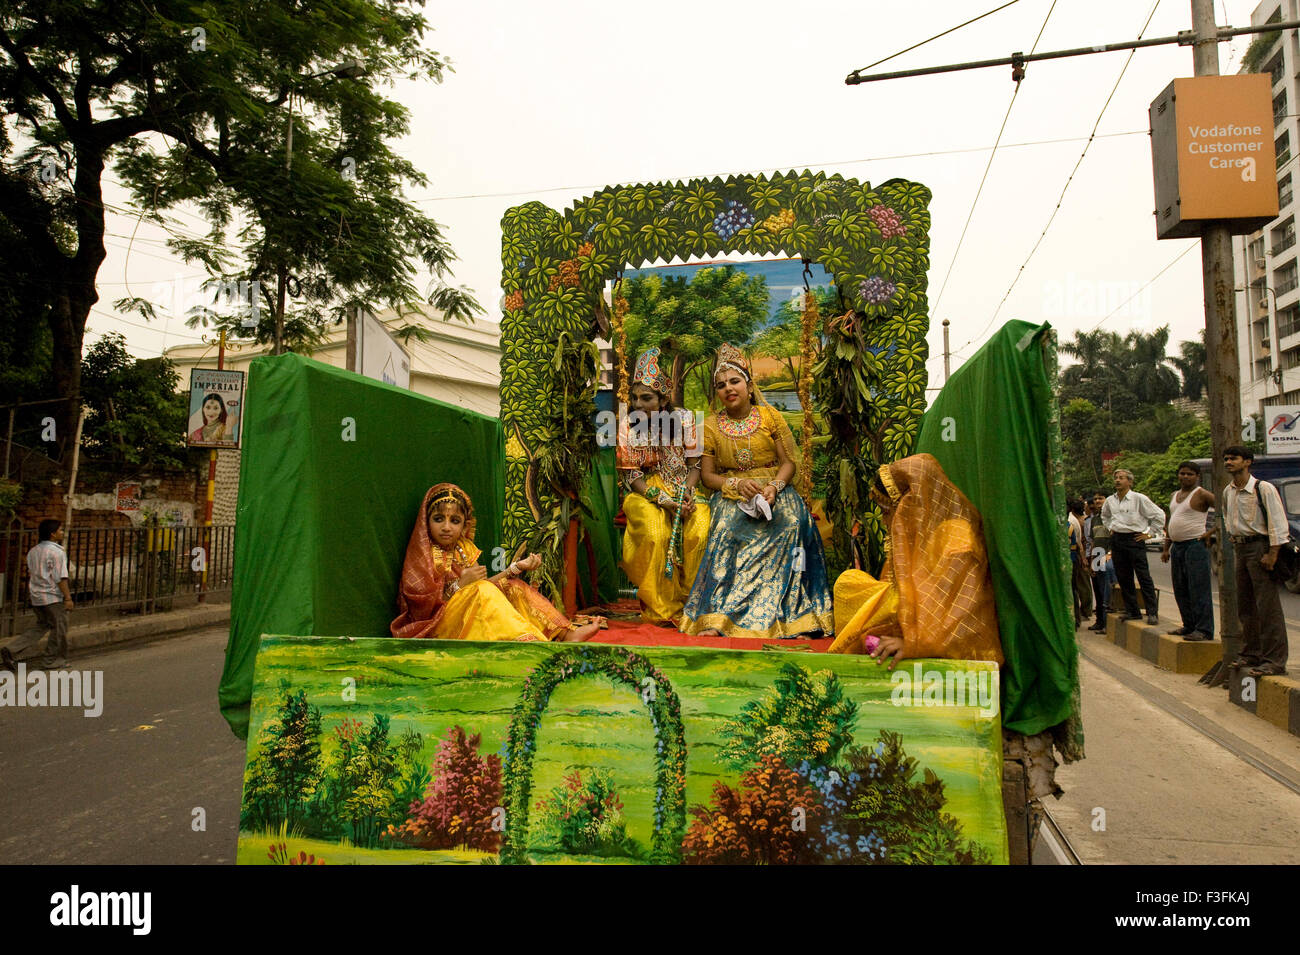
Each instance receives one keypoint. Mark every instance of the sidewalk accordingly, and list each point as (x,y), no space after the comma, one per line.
(99,635)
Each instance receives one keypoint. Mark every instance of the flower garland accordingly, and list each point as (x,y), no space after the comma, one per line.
(620,341)
(810,318)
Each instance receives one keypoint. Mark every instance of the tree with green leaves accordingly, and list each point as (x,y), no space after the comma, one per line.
(689,320)
(197,103)
(136,417)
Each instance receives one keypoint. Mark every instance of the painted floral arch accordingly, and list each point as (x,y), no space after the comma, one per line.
(869,386)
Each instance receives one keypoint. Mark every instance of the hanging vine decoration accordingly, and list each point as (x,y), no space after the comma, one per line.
(809,324)
(620,339)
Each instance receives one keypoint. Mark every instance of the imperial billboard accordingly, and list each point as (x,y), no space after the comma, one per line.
(216,408)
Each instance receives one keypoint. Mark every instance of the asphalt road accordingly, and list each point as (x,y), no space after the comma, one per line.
(123,787)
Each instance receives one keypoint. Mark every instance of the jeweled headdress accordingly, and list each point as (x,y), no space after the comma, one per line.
(648,373)
(729,356)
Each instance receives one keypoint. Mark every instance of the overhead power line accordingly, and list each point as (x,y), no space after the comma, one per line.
(984,178)
(1064,189)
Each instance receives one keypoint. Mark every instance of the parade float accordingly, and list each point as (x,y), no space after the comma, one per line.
(644,744)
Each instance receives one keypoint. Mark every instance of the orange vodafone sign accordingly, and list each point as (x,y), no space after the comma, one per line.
(1213,156)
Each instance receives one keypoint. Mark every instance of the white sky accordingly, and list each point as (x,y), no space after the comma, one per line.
(554,101)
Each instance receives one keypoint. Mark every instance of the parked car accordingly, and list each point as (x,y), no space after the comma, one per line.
(1283,472)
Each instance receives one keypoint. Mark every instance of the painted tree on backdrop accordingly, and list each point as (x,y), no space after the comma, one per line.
(194,104)
(690,319)
(782,339)
(809,796)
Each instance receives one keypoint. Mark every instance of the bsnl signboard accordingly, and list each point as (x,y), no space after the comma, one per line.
(1212,150)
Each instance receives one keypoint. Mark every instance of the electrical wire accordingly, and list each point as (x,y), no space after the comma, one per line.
(1146,285)
(989,165)
(936,36)
(824,164)
(1064,189)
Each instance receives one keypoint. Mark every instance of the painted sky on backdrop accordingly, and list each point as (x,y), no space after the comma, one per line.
(553,101)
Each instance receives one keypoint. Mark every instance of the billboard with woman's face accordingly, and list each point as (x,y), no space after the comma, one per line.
(216,408)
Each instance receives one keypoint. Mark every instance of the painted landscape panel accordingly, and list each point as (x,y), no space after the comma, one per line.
(416,752)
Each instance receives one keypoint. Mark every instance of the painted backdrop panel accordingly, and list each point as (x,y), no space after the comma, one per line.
(390,751)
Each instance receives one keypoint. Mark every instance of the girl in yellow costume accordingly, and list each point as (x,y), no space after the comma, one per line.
(935,598)
(445,595)
(659,457)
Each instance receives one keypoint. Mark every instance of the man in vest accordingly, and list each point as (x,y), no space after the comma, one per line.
(1185,537)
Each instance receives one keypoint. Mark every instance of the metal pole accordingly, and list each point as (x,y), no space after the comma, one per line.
(1224,374)
(72,480)
(946,354)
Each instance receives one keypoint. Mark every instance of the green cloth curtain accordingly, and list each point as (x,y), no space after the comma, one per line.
(601,495)
(995,429)
(333,470)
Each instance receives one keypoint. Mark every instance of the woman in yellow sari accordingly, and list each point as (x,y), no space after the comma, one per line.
(763,573)
(446,595)
(659,460)
(936,597)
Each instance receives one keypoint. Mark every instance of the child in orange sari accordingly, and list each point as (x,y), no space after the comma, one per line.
(446,595)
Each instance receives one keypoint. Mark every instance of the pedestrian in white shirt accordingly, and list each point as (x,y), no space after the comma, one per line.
(47,573)
(1256,524)
(1132,519)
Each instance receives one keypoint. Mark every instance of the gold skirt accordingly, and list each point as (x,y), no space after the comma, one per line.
(645,549)
(509,611)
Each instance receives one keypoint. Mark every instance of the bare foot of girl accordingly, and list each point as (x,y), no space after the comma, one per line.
(585,632)
(711,632)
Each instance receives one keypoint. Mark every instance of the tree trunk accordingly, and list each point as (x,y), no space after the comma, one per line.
(679,381)
(77,293)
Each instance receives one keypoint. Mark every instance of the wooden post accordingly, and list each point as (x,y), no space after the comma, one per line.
(571,569)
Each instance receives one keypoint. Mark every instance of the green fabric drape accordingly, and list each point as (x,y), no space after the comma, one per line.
(601,495)
(995,429)
(333,470)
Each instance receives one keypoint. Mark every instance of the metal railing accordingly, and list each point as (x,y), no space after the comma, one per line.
(122,570)
(1283,244)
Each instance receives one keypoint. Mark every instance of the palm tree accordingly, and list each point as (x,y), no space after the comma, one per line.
(1191,365)
(1146,368)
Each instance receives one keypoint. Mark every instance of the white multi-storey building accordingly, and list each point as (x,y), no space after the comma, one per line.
(1268,326)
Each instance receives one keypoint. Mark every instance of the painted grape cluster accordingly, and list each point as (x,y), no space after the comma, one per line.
(734,217)
(876,290)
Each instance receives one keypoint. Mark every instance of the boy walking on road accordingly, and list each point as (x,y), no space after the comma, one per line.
(1185,537)
(47,572)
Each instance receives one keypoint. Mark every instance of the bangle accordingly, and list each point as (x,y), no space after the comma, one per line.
(451,588)
(731,483)
(653,498)
(778,484)
(513,569)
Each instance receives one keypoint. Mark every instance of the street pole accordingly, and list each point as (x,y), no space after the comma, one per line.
(212,486)
(946,355)
(1224,374)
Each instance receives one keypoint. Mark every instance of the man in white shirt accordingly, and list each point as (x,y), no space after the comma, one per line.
(1132,518)
(47,572)
(1256,524)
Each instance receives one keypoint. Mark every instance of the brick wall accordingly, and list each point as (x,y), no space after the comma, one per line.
(178,492)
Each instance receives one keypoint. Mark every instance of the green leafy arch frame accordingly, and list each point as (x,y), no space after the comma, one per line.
(621,666)
(871,387)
